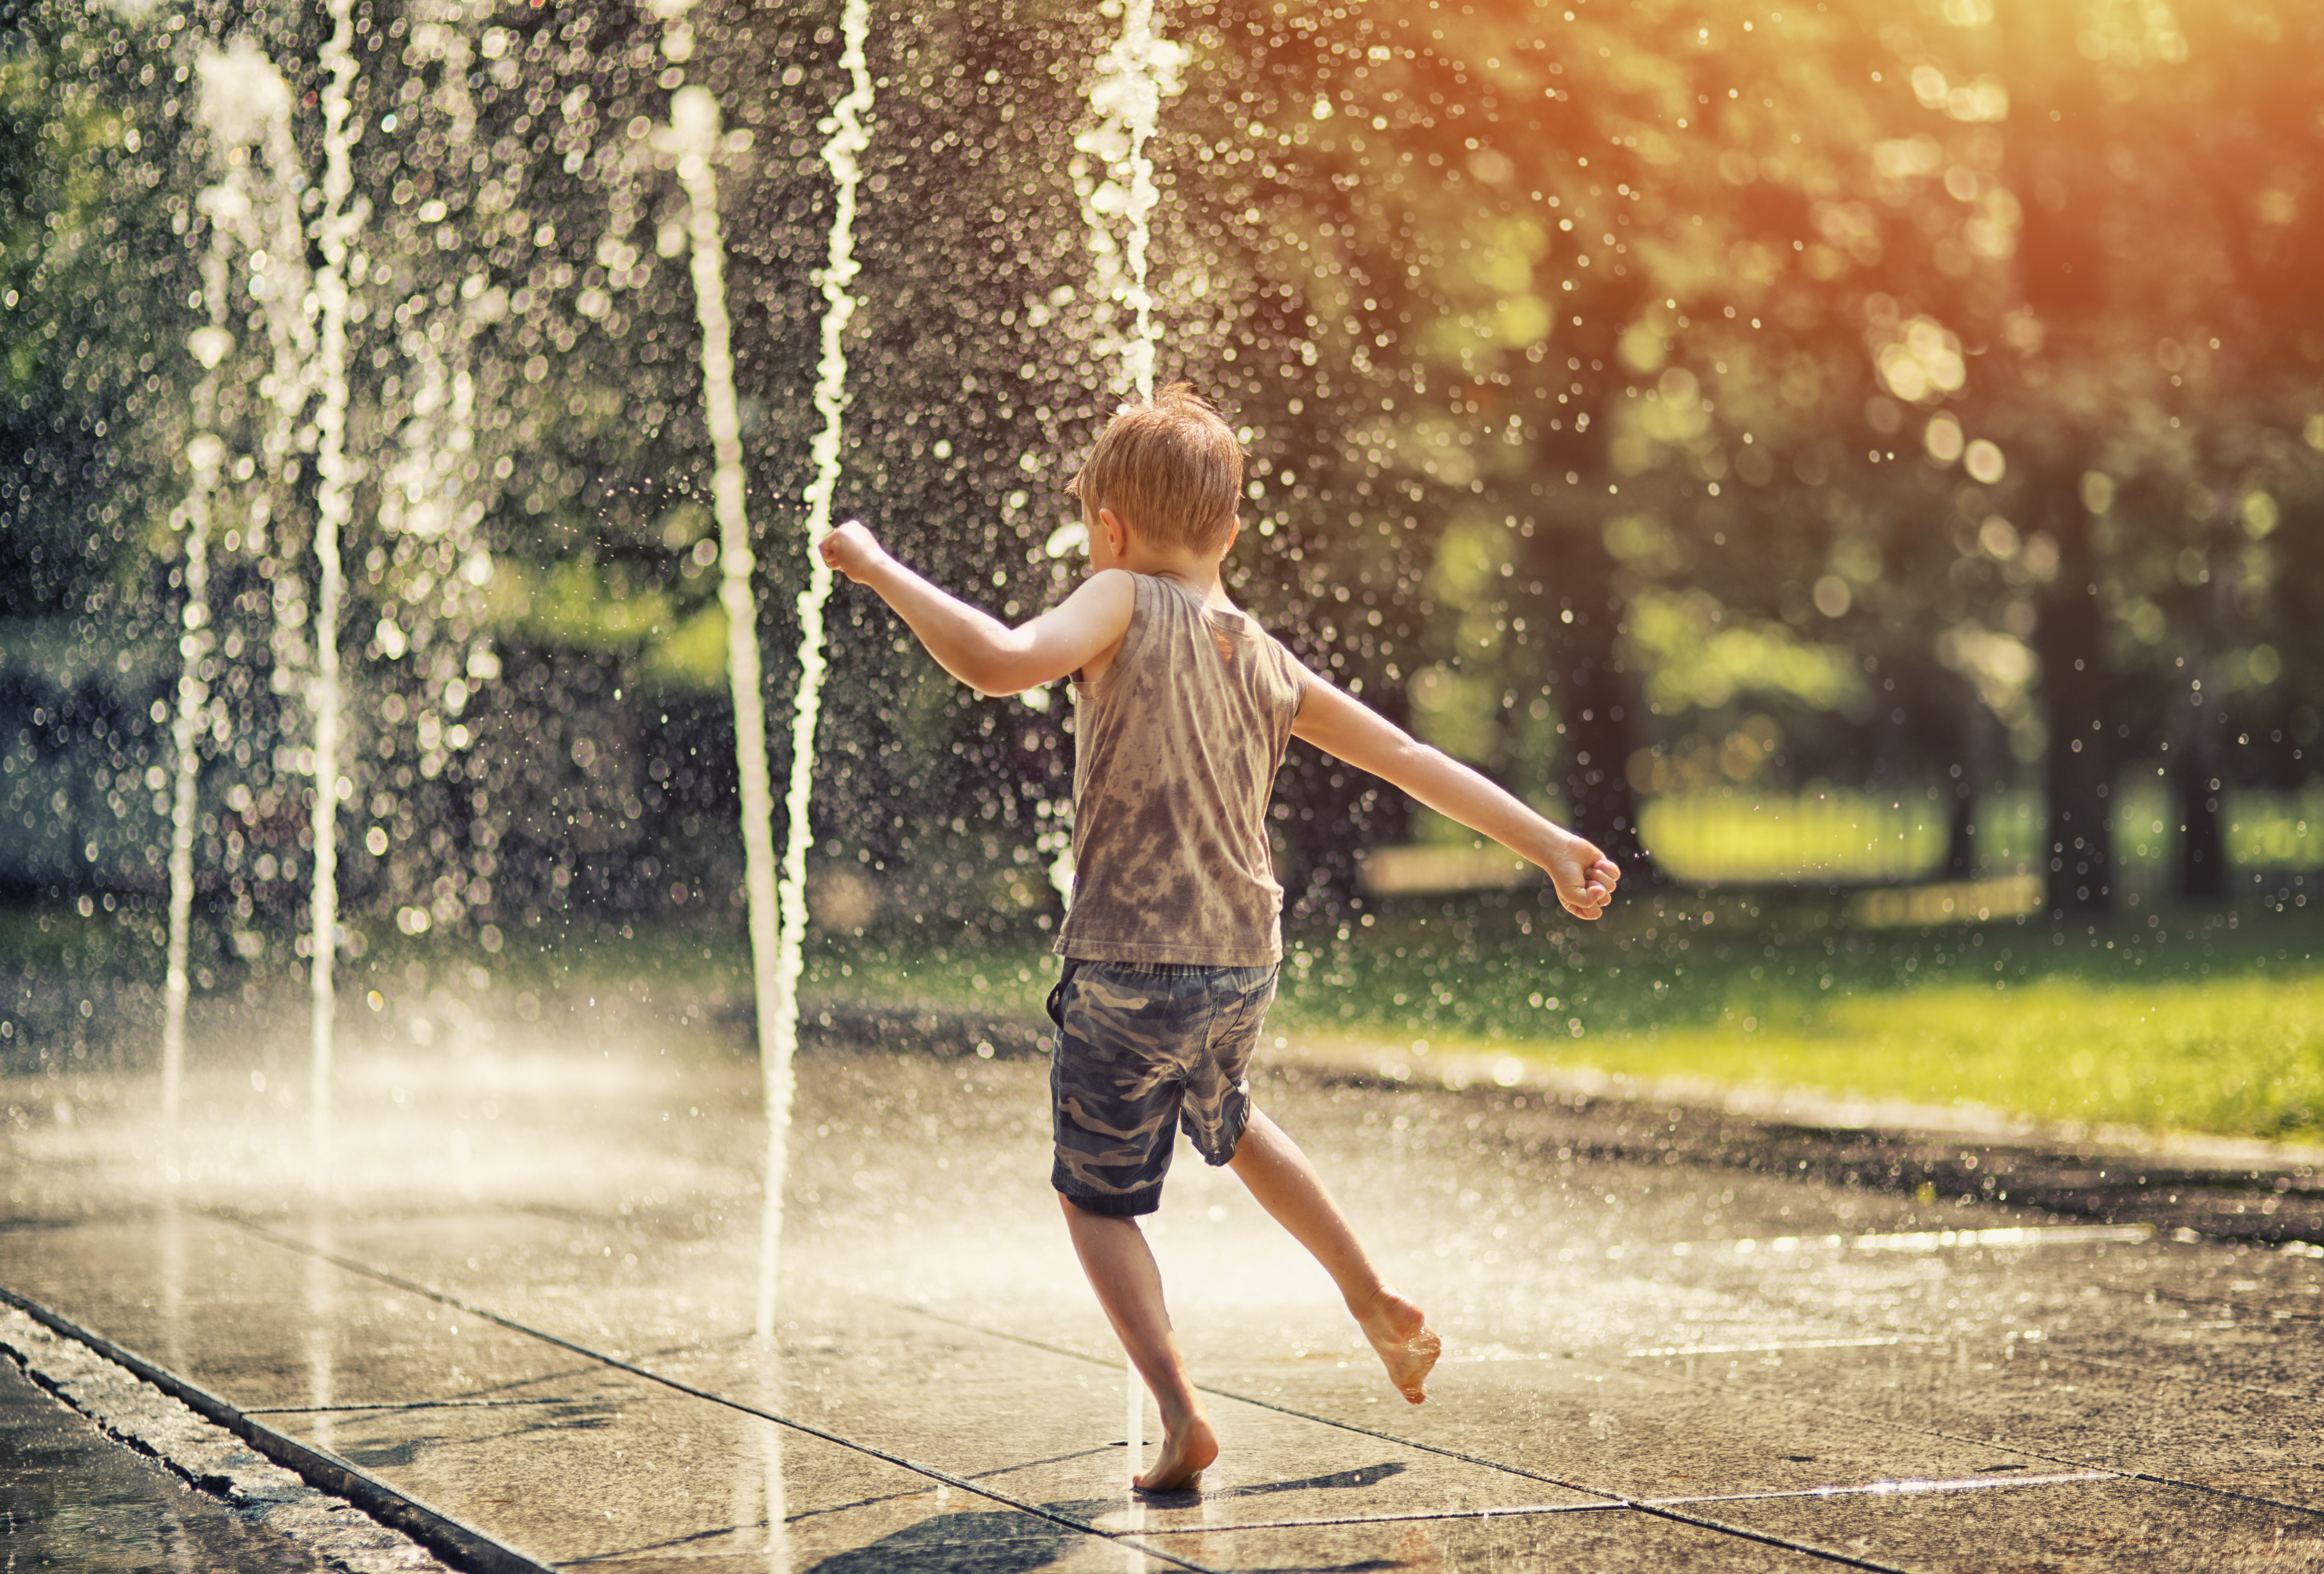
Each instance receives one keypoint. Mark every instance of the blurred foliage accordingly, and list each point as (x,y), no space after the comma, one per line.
(90,279)
(1960,343)
(1642,401)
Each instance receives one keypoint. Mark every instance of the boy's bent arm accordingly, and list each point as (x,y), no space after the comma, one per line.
(973,646)
(1348,730)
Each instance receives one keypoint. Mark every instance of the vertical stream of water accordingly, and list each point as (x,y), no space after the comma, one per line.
(334,228)
(205,451)
(849,135)
(1132,78)
(776,894)
(244,109)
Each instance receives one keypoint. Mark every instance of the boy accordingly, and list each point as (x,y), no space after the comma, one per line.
(1184,706)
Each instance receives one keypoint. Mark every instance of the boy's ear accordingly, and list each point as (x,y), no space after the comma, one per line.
(1117,532)
(1235,531)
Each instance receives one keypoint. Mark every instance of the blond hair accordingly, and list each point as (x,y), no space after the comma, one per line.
(1171,467)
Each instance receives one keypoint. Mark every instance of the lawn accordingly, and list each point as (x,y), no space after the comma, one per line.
(2186,1020)
(2195,1021)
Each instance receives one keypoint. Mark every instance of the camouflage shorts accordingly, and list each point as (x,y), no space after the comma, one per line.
(1143,1048)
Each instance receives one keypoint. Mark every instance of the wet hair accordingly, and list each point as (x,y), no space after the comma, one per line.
(1171,467)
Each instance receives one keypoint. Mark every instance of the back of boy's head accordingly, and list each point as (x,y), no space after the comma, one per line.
(1171,467)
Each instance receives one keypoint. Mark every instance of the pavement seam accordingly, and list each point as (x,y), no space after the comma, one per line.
(1325,1521)
(1657,1509)
(2122,1473)
(1874,1489)
(147,1410)
(1904,1487)
(964,1484)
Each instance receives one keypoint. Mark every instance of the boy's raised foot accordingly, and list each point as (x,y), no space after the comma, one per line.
(1406,1346)
(1188,1449)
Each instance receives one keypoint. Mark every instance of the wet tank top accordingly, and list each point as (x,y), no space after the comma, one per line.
(1176,752)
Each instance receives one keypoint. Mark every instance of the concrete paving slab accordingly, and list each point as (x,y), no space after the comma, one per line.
(970,1405)
(1617,1434)
(260,1325)
(179,1433)
(611,1469)
(1604,1542)
(2061,1529)
(2066,1411)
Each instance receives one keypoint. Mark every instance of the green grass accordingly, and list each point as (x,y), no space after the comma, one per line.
(2203,1022)
(2241,1056)
(1833,835)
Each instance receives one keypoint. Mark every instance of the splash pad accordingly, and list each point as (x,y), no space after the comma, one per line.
(433,489)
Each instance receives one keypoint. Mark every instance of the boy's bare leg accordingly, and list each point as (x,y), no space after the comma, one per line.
(1128,1284)
(1286,1185)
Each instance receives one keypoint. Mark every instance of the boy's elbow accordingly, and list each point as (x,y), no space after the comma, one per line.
(986,665)
(995,676)
(981,676)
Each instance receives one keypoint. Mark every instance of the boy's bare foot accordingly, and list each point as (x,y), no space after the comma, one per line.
(1187,1449)
(1400,1336)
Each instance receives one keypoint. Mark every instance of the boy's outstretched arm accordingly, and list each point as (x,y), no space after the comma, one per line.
(974,646)
(1348,730)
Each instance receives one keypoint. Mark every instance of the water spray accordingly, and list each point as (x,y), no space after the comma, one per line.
(777,901)
(334,226)
(694,134)
(244,105)
(432,496)
(848,138)
(282,292)
(1131,80)
(205,451)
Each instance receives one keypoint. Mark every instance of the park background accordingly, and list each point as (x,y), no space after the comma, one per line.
(1862,462)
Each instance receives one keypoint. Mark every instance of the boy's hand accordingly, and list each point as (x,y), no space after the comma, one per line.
(1583,877)
(851,550)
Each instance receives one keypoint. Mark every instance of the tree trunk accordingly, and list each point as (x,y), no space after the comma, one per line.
(2080,839)
(1972,761)
(2196,743)
(1961,834)
(2203,851)
(1595,699)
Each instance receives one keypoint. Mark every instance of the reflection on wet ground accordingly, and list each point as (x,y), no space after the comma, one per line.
(519,1284)
(70,1499)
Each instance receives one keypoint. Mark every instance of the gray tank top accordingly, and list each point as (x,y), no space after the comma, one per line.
(1174,754)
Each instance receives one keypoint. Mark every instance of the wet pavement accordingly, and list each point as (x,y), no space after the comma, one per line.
(517,1284)
(71,1498)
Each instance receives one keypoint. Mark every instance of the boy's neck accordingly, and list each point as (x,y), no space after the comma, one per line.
(1199,575)
(1197,571)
